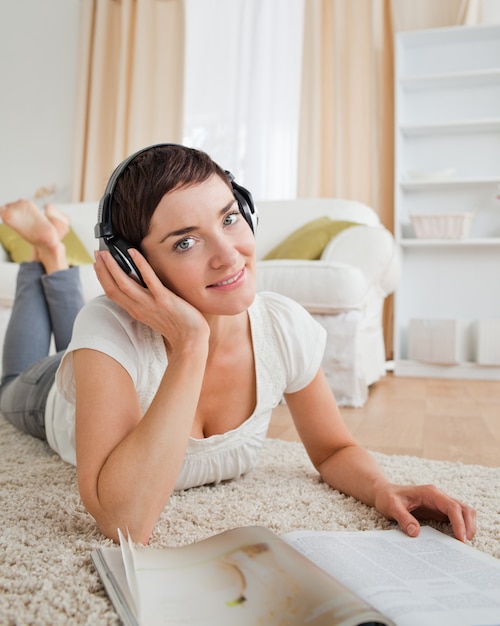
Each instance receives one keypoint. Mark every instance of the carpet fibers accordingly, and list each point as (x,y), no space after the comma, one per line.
(46,576)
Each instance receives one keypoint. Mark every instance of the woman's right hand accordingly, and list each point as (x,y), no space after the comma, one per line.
(157,306)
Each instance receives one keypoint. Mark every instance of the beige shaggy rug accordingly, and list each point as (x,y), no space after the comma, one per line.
(46,576)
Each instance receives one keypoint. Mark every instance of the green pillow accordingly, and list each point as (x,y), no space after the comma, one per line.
(19,250)
(309,241)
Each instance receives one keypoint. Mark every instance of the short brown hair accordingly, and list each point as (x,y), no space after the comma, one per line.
(151,175)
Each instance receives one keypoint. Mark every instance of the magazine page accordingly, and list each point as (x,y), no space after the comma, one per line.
(128,552)
(244,576)
(109,564)
(434,579)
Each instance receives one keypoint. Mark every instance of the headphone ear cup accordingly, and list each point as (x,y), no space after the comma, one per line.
(246,205)
(119,250)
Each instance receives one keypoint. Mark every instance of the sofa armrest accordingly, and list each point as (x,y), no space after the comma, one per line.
(319,286)
(8,272)
(373,250)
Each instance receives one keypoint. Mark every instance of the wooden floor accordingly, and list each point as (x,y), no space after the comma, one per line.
(452,420)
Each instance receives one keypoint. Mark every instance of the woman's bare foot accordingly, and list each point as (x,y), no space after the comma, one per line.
(59,220)
(38,229)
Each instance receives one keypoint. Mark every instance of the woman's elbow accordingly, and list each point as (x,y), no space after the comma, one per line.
(139,532)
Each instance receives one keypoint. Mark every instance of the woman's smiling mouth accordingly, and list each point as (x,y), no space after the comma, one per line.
(232,281)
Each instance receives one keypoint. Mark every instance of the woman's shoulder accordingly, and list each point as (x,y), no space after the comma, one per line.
(101,304)
(272,300)
(298,338)
(286,317)
(101,317)
(104,326)
(103,311)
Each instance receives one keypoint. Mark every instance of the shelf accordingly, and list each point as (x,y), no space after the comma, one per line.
(447,160)
(435,243)
(422,185)
(446,36)
(470,371)
(458,126)
(455,79)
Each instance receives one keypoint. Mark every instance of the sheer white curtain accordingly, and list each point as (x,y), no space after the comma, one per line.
(242,89)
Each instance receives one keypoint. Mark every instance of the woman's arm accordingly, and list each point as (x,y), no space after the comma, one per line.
(128,463)
(348,467)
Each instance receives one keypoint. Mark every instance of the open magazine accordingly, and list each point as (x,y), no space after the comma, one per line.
(248,576)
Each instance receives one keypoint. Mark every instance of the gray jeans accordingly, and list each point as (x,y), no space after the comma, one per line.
(45,305)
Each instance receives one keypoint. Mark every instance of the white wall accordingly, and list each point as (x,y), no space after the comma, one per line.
(38,79)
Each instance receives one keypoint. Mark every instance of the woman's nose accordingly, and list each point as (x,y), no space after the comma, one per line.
(223,252)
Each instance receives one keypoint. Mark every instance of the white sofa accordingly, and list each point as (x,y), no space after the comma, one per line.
(345,290)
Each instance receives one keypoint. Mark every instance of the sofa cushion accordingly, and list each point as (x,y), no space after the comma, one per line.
(319,286)
(19,250)
(309,241)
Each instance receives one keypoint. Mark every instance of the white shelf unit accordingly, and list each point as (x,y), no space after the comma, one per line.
(447,160)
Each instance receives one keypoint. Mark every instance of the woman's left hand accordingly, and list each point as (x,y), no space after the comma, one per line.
(406,504)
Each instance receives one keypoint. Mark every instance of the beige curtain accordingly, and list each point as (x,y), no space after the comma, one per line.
(346,145)
(131,84)
(346,139)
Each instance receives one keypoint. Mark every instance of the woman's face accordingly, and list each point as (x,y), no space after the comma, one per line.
(201,247)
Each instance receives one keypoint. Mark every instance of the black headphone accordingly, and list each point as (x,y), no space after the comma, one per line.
(118,247)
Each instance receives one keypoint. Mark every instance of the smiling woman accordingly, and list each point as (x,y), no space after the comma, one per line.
(171,383)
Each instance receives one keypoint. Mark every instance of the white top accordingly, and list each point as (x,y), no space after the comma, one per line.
(288,348)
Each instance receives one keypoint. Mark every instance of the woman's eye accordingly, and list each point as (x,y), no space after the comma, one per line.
(231,218)
(184,244)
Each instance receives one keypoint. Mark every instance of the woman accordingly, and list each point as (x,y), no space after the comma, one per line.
(173,385)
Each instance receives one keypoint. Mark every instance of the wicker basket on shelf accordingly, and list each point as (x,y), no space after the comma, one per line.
(442,226)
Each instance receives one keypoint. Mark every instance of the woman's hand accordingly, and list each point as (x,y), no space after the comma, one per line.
(406,504)
(157,306)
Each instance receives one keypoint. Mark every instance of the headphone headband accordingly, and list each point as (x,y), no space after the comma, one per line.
(103,228)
